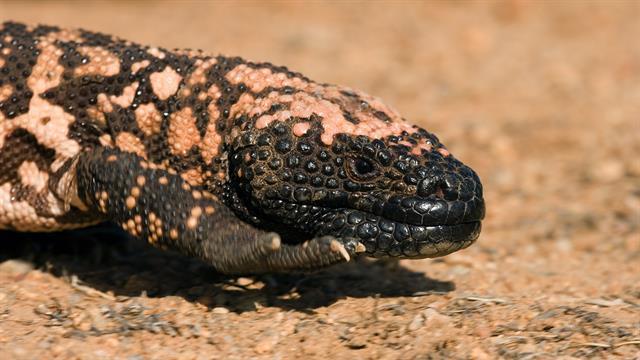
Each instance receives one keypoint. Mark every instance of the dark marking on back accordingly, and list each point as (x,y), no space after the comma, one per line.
(19,62)
(21,146)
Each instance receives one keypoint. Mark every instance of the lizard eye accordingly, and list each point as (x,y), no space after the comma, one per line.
(362,168)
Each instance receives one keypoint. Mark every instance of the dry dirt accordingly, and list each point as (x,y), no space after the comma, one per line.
(541,98)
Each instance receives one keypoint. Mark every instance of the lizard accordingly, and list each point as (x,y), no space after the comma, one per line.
(248,166)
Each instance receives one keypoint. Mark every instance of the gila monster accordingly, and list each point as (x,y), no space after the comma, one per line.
(247,166)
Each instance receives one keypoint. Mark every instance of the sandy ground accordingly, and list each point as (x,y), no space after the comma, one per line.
(541,98)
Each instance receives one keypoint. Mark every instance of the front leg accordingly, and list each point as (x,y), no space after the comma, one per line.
(160,207)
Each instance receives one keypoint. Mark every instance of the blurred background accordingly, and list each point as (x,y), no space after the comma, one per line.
(542,98)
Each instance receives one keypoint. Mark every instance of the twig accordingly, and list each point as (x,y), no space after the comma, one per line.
(591,344)
(485,299)
(624,343)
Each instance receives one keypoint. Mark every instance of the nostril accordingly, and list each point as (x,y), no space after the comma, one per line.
(435,186)
(451,187)
(439,193)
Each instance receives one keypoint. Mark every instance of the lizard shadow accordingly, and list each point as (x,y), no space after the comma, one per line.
(106,259)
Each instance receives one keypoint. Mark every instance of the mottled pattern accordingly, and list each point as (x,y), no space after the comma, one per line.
(249,166)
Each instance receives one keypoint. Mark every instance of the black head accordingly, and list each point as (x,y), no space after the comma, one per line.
(398,191)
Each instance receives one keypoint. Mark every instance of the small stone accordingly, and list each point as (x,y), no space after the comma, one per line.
(264,346)
(564,245)
(416,323)
(100,353)
(81,322)
(220,310)
(434,318)
(267,343)
(243,281)
(610,171)
(459,270)
(356,343)
(15,267)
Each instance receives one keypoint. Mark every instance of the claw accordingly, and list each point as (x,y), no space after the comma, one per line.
(275,241)
(360,248)
(337,247)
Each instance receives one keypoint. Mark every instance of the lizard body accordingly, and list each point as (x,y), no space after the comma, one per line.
(248,166)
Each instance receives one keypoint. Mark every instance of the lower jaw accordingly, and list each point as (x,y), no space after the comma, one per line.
(403,241)
(421,242)
(463,236)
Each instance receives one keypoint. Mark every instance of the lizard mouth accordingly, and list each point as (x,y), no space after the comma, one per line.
(387,237)
(404,240)
(410,227)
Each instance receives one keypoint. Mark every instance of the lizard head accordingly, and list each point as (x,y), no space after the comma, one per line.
(334,161)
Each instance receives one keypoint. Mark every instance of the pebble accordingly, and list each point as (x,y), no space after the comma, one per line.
(100,353)
(416,323)
(264,346)
(459,270)
(15,267)
(609,171)
(357,342)
(220,310)
(267,342)
(433,317)
(564,245)
(243,281)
